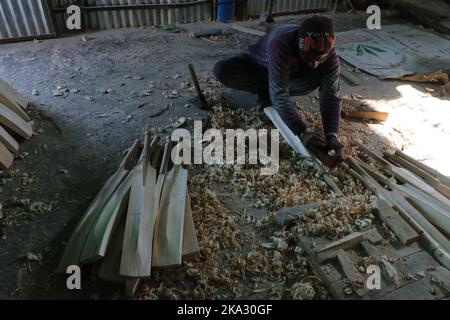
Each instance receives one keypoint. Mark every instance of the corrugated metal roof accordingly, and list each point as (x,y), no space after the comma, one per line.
(24,18)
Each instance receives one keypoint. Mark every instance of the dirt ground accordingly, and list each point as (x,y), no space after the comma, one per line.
(81,136)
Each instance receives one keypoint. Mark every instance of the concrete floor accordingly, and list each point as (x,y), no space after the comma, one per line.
(96,133)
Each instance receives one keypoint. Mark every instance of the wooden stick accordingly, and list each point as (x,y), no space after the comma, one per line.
(296,144)
(248,30)
(288,135)
(203,103)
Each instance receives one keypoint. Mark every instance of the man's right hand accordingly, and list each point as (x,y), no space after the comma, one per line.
(312,140)
(318,147)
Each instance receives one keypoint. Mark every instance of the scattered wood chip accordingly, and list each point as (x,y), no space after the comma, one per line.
(159,112)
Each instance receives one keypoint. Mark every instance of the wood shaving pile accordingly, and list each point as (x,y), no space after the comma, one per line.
(244,256)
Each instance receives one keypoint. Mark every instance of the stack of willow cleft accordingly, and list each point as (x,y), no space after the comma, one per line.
(140,220)
(14,121)
(416,197)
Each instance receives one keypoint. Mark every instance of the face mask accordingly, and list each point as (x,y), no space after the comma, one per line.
(313,60)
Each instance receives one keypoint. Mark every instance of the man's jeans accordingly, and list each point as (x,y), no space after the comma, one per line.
(243,73)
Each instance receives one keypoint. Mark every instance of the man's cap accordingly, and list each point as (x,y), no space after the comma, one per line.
(317,35)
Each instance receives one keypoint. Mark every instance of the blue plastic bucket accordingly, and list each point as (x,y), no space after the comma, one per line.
(225,11)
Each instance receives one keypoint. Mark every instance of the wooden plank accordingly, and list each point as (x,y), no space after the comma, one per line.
(433,238)
(74,247)
(106,223)
(370,249)
(161,179)
(442,279)
(416,290)
(315,266)
(435,211)
(396,198)
(408,177)
(384,163)
(396,250)
(136,258)
(6,157)
(345,243)
(412,264)
(402,230)
(14,107)
(442,189)
(442,178)
(326,256)
(331,272)
(15,123)
(438,218)
(248,30)
(366,115)
(167,247)
(5,88)
(407,165)
(373,236)
(9,141)
(13,100)
(190,242)
(356,279)
(436,242)
(416,193)
(403,174)
(110,265)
